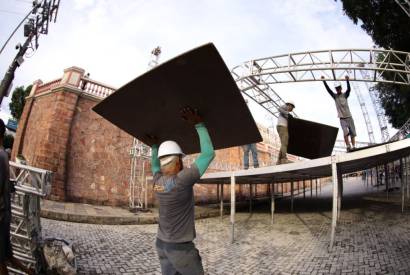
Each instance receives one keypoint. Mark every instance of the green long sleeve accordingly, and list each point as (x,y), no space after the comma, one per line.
(207,150)
(155,164)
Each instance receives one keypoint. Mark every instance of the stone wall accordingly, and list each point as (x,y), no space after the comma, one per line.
(89,156)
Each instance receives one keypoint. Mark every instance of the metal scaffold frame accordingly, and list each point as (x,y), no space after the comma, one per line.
(139,153)
(365,113)
(403,132)
(256,77)
(405,5)
(381,118)
(31,185)
(332,64)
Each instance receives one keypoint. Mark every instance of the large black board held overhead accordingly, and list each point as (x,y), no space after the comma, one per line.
(310,139)
(151,103)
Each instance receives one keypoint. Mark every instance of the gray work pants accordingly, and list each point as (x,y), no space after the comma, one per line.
(284,139)
(179,258)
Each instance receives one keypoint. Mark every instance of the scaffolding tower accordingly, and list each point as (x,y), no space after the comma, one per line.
(381,118)
(363,107)
(140,153)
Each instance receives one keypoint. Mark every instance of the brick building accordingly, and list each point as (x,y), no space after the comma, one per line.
(89,156)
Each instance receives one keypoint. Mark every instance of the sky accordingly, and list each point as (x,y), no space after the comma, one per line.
(112,40)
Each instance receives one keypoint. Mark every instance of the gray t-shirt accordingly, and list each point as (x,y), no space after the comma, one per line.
(175,195)
(342,106)
(5,206)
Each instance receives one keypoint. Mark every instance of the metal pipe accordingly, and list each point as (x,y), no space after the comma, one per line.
(402,185)
(334,206)
(250,198)
(386,179)
(291,196)
(272,198)
(233,208)
(222,201)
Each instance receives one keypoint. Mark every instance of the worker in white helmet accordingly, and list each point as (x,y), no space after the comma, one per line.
(173,185)
(343,112)
(282,128)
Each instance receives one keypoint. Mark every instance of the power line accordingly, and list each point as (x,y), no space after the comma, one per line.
(42,14)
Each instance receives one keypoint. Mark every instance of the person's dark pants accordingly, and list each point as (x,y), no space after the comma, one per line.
(5,244)
(179,258)
(246,149)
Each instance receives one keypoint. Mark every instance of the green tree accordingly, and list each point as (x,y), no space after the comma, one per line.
(18,100)
(389,26)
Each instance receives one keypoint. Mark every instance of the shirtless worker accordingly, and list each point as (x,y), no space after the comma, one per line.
(343,112)
(173,185)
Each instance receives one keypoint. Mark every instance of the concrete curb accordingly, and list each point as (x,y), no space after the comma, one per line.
(115,220)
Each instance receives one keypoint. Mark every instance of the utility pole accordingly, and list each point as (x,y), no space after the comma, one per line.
(43,13)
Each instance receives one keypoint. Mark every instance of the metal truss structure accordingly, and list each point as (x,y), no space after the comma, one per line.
(332,64)
(256,77)
(366,117)
(403,132)
(139,153)
(381,118)
(31,184)
(405,5)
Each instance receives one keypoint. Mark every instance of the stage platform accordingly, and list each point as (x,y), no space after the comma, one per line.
(333,166)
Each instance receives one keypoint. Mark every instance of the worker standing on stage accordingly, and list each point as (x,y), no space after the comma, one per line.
(173,185)
(343,112)
(250,148)
(282,128)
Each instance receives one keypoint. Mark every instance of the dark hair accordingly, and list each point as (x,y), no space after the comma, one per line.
(2,128)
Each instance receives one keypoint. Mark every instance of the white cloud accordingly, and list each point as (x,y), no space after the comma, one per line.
(112,40)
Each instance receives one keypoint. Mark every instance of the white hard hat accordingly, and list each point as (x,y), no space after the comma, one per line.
(338,84)
(169,147)
(291,102)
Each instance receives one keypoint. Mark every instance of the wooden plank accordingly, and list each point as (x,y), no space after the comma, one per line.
(310,139)
(150,104)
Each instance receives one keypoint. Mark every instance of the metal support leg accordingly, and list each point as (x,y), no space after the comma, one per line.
(311,189)
(291,196)
(250,198)
(217,192)
(281,188)
(316,187)
(407,178)
(232,208)
(272,200)
(222,201)
(371,177)
(334,207)
(146,194)
(386,179)
(339,193)
(304,189)
(402,185)
(320,186)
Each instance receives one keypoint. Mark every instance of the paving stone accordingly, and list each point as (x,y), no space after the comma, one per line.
(372,239)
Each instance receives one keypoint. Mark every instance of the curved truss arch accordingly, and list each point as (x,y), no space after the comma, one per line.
(333,64)
(256,77)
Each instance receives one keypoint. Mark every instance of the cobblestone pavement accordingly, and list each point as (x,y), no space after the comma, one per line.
(371,239)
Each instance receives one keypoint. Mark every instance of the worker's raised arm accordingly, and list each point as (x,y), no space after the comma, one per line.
(155,164)
(348,86)
(207,149)
(327,88)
